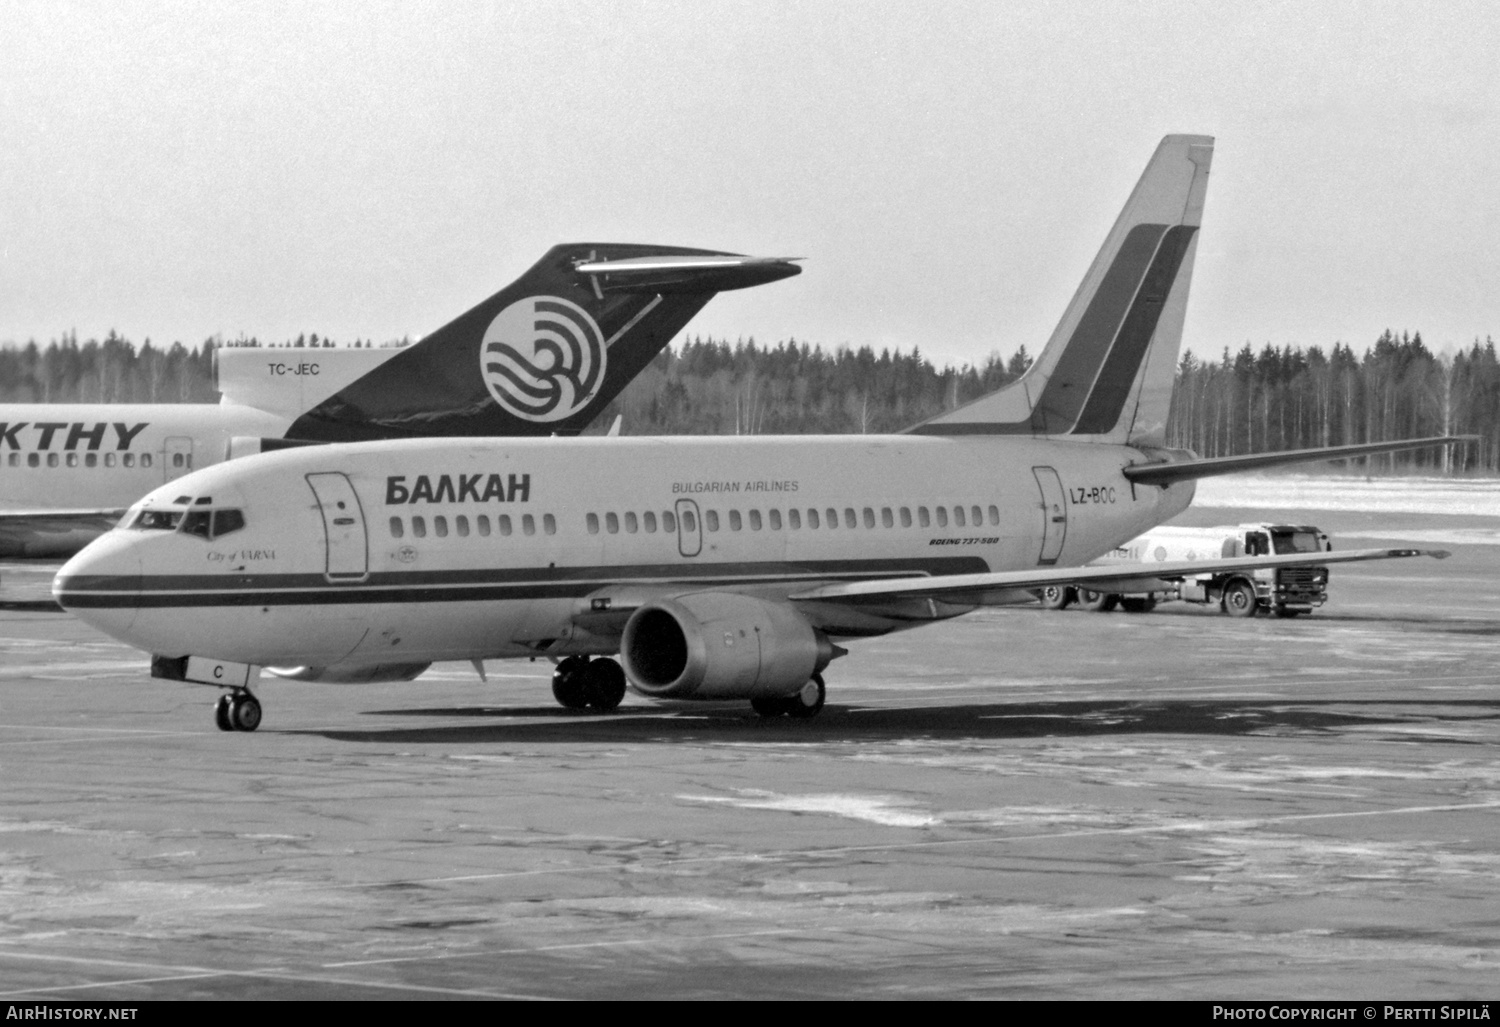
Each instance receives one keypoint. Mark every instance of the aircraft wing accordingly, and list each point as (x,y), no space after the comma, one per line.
(972,588)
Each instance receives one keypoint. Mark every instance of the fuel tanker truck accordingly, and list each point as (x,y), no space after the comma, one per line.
(1283,591)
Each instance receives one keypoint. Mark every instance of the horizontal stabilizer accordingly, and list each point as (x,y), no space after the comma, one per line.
(961,588)
(1167,472)
(687,273)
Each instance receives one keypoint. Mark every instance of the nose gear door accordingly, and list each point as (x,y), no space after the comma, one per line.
(1054,514)
(343,527)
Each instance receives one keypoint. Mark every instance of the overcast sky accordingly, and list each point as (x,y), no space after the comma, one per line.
(180,170)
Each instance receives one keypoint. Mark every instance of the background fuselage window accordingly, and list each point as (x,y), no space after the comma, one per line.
(632,523)
(906,517)
(669,521)
(440,526)
(592,520)
(461,525)
(611,523)
(794,519)
(754,520)
(711,519)
(549,524)
(735,524)
(942,516)
(396,528)
(482,522)
(528,524)
(419,527)
(503,520)
(775,516)
(648,521)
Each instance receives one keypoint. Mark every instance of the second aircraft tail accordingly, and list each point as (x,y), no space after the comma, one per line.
(545,354)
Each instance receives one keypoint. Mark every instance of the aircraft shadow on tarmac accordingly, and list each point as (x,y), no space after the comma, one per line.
(727,722)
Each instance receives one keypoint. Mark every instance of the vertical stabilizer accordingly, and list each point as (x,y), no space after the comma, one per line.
(1106,373)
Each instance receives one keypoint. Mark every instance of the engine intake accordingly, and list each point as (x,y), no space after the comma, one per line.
(721,645)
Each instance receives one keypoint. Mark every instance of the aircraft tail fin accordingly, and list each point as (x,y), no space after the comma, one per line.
(543,355)
(1106,373)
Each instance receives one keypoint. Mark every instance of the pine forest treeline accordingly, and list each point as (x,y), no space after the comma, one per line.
(1245,401)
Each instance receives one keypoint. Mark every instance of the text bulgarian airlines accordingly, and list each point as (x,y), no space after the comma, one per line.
(78,432)
(458,488)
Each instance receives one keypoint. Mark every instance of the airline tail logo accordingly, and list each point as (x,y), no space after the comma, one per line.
(543,358)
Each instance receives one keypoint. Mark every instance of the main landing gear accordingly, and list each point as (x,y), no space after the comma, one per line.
(806,702)
(580,683)
(237,711)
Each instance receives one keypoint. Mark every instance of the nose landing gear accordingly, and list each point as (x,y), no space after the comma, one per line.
(237,711)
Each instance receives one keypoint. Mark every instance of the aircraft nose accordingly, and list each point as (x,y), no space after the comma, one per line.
(101,586)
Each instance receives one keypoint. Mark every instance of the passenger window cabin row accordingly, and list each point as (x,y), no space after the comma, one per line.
(75,459)
(462,526)
(631,523)
(794,519)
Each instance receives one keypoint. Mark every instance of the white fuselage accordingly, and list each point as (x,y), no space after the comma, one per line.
(429,550)
(76,456)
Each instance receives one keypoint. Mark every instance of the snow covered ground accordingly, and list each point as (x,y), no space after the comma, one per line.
(1466,498)
(1449,496)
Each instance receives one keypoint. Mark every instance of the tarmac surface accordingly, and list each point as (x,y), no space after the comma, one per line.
(1014,804)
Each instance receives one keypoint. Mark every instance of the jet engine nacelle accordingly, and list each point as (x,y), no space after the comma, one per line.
(721,645)
(361,674)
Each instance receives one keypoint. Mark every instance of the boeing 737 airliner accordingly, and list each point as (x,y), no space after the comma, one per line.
(601,312)
(718,568)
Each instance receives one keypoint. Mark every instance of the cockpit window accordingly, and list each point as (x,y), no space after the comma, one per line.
(157,520)
(226,521)
(212,524)
(197,522)
(206,524)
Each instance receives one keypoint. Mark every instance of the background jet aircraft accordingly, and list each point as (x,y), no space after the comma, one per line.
(718,568)
(541,357)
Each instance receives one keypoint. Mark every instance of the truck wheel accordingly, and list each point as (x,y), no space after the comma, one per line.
(1240,599)
(1097,602)
(1056,597)
(1138,604)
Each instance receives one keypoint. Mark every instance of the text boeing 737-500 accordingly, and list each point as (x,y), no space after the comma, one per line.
(717,568)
